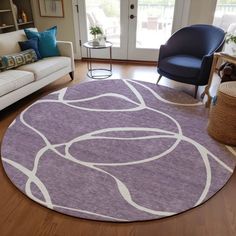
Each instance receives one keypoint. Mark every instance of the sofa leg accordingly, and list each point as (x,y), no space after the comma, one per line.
(159,79)
(72,75)
(195,92)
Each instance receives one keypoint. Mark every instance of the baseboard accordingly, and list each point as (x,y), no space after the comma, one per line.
(117,61)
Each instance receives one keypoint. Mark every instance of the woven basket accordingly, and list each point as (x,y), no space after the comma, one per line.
(222,118)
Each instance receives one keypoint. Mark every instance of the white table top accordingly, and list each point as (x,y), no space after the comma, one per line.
(90,45)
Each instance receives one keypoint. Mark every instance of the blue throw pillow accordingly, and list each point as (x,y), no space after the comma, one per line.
(19,59)
(31,44)
(47,41)
(2,65)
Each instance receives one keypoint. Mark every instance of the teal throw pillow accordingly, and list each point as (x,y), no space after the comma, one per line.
(19,59)
(47,41)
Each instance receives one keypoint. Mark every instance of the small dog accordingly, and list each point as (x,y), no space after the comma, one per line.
(227,72)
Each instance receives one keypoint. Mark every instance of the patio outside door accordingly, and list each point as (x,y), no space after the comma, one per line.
(136,28)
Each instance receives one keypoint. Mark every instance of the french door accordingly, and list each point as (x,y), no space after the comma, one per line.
(136,28)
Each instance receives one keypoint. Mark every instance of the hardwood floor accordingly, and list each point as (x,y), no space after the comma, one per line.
(20,216)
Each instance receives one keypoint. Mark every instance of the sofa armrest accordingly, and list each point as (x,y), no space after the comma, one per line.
(66,50)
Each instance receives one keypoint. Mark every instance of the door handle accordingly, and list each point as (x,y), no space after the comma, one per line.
(77,8)
(132,16)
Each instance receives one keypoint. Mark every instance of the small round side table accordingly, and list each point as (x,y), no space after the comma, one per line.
(222,119)
(98,73)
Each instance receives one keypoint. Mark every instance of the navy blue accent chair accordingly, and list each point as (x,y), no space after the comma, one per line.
(187,55)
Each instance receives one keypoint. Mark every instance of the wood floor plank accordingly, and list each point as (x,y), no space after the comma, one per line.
(20,216)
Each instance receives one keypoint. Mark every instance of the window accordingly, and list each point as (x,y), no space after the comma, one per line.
(225,13)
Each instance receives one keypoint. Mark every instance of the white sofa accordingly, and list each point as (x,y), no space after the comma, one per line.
(17,83)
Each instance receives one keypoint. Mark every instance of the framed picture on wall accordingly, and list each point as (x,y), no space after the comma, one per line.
(51,8)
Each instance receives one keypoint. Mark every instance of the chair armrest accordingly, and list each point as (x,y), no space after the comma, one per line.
(167,50)
(205,69)
(66,50)
(163,52)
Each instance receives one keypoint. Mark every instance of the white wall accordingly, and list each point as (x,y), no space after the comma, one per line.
(194,12)
(202,11)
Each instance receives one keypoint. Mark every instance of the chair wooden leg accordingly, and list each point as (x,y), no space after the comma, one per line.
(203,95)
(196,89)
(159,79)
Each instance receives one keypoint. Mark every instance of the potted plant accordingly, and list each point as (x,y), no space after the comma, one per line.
(231,40)
(95,31)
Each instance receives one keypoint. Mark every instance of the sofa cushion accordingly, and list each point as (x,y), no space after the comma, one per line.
(47,41)
(19,59)
(9,42)
(13,79)
(46,66)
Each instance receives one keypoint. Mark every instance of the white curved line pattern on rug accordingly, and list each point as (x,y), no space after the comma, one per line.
(116,150)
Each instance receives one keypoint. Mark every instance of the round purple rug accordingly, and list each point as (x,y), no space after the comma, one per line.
(116,150)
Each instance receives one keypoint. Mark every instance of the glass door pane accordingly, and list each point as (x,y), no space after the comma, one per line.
(154,22)
(106,14)
(136,28)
